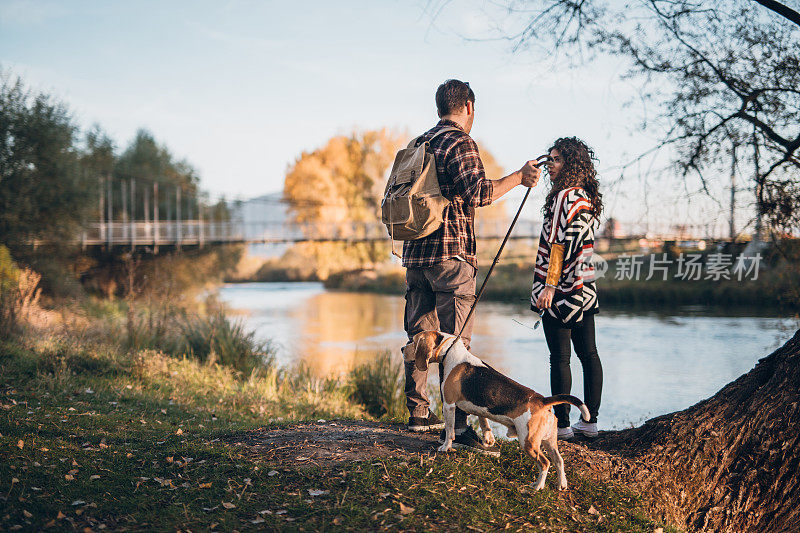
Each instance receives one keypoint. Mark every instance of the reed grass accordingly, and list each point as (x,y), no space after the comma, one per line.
(378,385)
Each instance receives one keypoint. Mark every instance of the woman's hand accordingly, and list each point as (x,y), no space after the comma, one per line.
(546,298)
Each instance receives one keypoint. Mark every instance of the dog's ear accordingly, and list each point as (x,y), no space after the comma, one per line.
(424,345)
(422,352)
(438,344)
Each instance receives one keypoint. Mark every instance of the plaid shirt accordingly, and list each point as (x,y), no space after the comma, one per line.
(463,182)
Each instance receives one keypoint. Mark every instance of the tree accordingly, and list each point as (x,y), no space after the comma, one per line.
(145,162)
(722,75)
(44,195)
(728,463)
(333,189)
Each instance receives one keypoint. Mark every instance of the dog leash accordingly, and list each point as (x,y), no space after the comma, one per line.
(541,160)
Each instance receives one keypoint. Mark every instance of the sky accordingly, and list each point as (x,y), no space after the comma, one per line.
(240,89)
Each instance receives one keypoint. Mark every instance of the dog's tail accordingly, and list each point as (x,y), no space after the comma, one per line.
(567,398)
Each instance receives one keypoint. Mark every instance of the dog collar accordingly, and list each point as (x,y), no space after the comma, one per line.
(441,359)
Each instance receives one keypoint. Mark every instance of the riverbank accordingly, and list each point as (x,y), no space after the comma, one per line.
(99,436)
(774,290)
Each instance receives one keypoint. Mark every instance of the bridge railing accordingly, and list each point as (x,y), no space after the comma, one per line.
(191,232)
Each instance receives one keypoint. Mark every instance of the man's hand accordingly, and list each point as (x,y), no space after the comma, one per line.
(530,173)
(545,298)
(528,176)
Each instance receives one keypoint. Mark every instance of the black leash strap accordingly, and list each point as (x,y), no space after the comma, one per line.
(541,160)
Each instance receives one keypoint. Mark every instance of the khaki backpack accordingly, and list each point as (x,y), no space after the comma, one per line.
(413,205)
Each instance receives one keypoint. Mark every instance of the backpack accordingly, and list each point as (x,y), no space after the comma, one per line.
(413,205)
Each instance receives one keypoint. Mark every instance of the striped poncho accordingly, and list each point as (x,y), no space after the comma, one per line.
(570,222)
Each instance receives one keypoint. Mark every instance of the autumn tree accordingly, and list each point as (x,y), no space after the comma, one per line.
(337,188)
(334,190)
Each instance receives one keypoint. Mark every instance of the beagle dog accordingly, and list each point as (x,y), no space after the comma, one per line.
(473,386)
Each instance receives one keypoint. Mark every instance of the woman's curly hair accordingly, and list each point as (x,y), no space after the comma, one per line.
(578,171)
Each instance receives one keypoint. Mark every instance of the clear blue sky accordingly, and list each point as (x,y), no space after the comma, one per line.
(241,88)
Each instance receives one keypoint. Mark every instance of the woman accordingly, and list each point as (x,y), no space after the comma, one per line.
(563,281)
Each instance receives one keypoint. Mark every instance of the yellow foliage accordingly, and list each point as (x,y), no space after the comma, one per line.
(341,183)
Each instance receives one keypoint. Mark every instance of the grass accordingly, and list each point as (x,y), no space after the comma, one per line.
(100,437)
(378,386)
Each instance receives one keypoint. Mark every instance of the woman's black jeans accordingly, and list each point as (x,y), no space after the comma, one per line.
(558,336)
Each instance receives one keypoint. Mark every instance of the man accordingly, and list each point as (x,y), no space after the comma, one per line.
(441,268)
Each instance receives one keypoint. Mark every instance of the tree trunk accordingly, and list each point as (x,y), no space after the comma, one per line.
(728,463)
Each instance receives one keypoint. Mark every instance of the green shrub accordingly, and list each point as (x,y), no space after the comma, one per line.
(215,338)
(379,387)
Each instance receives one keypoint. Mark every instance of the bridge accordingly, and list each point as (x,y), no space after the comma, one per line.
(133,216)
(199,232)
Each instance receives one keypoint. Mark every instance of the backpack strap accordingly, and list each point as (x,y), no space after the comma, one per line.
(415,141)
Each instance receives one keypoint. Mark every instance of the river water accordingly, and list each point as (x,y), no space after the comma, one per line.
(654,362)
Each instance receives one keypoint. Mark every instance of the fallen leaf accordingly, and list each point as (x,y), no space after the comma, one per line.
(592,510)
(27,514)
(257,521)
(20,444)
(179,432)
(14,480)
(384,494)
(205,485)
(69,477)
(318,492)
(92,478)
(272,473)
(405,509)
(78,512)
(78,502)
(658,530)
(337,521)
(61,516)
(228,505)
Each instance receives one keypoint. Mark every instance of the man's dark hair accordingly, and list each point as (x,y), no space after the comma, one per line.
(452,95)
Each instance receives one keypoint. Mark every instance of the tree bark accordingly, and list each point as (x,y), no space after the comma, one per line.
(728,463)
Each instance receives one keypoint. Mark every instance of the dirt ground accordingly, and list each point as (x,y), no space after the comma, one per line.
(327,443)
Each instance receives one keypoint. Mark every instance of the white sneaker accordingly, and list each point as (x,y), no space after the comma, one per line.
(587,429)
(565,433)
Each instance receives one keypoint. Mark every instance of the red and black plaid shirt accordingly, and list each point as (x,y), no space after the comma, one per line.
(463,182)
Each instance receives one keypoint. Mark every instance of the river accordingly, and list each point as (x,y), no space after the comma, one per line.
(654,362)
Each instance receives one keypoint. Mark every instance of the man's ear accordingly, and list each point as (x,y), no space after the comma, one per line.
(469,108)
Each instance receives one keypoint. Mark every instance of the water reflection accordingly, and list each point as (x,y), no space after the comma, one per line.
(654,363)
